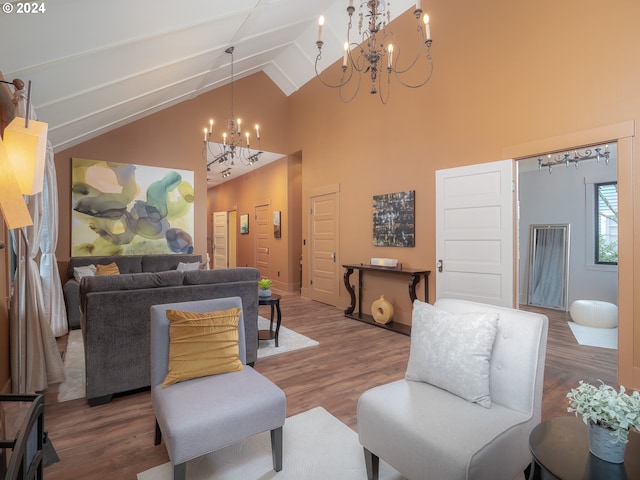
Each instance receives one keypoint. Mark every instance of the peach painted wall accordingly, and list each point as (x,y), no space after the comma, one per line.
(506,73)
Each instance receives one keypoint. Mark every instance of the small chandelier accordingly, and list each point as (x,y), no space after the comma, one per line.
(574,157)
(376,44)
(236,144)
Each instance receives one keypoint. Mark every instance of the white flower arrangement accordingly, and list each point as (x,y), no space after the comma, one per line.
(604,406)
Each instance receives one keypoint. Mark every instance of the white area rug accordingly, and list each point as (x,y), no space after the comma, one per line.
(288,340)
(595,337)
(74,385)
(316,446)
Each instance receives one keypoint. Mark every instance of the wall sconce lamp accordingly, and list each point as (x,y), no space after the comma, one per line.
(26,144)
(23,152)
(14,209)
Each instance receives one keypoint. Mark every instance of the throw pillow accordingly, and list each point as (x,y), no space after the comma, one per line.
(452,351)
(110,269)
(184,267)
(85,271)
(202,344)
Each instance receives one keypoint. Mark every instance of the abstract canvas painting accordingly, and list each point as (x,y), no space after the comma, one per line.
(127,209)
(394,219)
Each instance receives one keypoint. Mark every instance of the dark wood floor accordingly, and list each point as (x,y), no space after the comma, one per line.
(115,441)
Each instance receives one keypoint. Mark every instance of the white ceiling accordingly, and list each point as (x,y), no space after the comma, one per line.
(96,65)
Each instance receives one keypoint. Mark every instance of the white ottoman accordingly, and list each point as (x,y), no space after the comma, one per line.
(594,313)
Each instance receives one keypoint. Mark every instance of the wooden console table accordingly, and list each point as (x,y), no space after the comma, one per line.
(414,279)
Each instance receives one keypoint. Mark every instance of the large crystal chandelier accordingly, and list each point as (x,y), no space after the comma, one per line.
(367,56)
(236,143)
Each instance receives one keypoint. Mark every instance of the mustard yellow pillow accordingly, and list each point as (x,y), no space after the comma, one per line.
(202,344)
(110,269)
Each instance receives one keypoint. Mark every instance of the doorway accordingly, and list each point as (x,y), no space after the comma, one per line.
(558,200)
(622,134)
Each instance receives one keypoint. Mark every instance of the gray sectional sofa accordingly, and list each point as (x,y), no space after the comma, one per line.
(116,312)
(126,264)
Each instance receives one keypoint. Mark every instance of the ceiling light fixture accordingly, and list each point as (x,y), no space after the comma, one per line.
(568,158)
(235,145)
(376,44)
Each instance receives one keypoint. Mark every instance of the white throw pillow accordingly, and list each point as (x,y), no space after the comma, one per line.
(184,267)
(86,271)
(452,351)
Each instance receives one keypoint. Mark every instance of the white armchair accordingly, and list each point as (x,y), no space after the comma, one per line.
(431,432)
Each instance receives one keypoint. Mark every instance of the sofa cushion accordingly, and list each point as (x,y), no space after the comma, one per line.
(130,281)
(223,275)
(164,262)
(452,351)
(110,269)
(185,267)
(84,271)
(202,344)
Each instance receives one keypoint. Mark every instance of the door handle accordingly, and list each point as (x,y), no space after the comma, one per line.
(333,257)
(439,265)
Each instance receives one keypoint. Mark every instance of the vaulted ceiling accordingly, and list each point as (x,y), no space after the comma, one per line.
(97,65)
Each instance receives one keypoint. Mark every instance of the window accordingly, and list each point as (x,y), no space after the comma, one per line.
(606,251)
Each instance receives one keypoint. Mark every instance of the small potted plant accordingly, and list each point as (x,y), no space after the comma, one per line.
(608,414)
(264,287)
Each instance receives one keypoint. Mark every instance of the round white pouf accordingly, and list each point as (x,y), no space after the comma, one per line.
(594,313)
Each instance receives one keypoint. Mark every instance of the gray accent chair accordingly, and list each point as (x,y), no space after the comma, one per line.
(202,415)
(425,432)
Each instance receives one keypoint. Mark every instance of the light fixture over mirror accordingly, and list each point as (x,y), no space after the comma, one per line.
(573,157)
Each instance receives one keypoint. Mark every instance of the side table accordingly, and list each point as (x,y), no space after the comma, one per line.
(560,449)
(274,302)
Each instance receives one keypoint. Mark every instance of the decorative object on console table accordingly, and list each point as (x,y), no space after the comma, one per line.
(382,310)
(608,414)
(414,278)
(264,287)
(386,262)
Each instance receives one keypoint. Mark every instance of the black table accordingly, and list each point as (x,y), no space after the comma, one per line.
(273,301)
(415,275)
(560,449)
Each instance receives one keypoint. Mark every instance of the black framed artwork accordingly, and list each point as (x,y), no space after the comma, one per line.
(394,219)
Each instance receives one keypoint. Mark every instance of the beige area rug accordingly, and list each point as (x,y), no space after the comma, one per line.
(316,446)
(288,340)
(595,337)
(73,386)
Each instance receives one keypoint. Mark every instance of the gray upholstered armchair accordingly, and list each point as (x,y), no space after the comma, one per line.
(471,396)
(201,415)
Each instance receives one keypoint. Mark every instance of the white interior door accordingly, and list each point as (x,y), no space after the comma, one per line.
(475,234)
(263,234)
(324,268)
(220,240)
